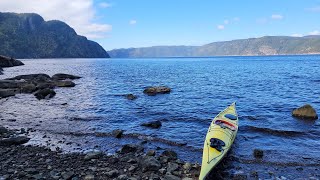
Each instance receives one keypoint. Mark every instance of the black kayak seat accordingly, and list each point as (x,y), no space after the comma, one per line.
(231,117)
(217,144)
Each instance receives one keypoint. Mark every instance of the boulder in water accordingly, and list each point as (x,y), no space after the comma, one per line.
(45,94)
(131,96)
(153,124)
(305,112)
(9,62)
(65,84)
(152,91)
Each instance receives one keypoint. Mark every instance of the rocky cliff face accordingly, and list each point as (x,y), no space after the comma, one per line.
(29,36)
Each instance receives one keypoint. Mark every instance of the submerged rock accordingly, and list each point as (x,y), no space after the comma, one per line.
(131,148)
(14,141)
(117,133)
(131,96)
(152,91)
(258,153)
(305,112)
(170,154)
(153,124)
(45,94)
(65,84)
(61,76)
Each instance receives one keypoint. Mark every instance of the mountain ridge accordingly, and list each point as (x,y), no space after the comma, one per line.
(267,45)
(28,35)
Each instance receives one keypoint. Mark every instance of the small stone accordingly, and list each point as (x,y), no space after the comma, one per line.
(162,171)
(132,168)
(93,155)
(117,133)
(172,167)
(122,177)
(151,153)
(150,163)
(131,97)
(67,175)
(153,124)
(112,173)
(89,177)
(171,177)
(258,153)
(170,154)
(187,167)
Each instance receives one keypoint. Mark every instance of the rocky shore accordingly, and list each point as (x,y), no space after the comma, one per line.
(131,162)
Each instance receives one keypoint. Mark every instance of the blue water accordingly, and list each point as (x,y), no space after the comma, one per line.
(266,90)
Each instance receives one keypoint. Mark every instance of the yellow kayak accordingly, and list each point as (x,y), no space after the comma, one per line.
(220,136)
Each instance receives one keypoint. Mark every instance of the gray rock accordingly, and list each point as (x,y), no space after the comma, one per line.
(117,133)
(150,163)
(171,177)
(113,173)
(28,88)
(151,153)
(152,91)
(45,94)
(4,93)
(93,155)
(153,124)
(67,175)
(132,168)
(31,171)
(172,167)
(14,141)
(131,148)
(170,154)
(89,177)
(64,84)
(33,77)
(131,96)
(61,76)
(187,166)
(3,130)
(9,62)
(122,177)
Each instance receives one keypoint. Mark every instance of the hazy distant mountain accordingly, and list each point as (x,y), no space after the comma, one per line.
(268,45)
(29,36)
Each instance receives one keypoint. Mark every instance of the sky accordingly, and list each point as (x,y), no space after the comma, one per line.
(142,23)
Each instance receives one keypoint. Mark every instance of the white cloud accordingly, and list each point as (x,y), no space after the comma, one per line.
(316,32)
(276,16)
(220,27)
(132,22)
(104,5)
(79,14)
(226,21)
(296,35)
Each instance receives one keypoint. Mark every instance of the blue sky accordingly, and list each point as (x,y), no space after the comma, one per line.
(142,23)
(197,22)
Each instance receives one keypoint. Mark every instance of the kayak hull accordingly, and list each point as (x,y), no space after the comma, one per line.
(219,139)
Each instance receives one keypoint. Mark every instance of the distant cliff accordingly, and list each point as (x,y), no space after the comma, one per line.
(268,45)
(29,36)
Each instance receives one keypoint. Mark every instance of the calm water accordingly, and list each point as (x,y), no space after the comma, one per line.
(266,90)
